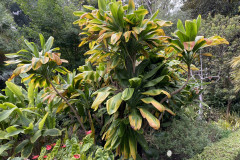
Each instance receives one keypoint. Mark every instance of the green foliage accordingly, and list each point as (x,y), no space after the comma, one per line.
(221,93)
(54,18)
(132,69)
(18,119)
(9,41)
(8,32)
(40,64)
(72,148)
(205,7)
(226,149)
(185,137)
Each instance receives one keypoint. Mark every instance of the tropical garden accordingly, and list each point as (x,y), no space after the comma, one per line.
(118,80)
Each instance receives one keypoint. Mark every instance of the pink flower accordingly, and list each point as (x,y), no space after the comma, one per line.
(53,144)
(35,157)
(48,147)
(45,156)
(89,132)
(77,156)
(63,146)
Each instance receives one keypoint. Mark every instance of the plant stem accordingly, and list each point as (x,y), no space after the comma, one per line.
(72,108)
(180,89)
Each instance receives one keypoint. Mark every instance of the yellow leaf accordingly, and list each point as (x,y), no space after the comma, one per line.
(153,121)
(155,92)
(127,35)
(99,99)
(135,120)
(115,37)
(155,103)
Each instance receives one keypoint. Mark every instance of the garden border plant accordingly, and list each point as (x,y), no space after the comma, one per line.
(128,74)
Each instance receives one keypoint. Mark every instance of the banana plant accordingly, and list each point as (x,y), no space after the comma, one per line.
(18,119)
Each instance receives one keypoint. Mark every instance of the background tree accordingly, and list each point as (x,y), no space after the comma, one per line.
(204,7)
(217,68)
(9,40)
(53,18)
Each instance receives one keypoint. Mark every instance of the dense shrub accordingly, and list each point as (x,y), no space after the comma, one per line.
(185,138)
(226,149)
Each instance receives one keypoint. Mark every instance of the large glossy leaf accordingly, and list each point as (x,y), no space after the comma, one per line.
(155,103)
(135,82)
(4,148)
(154,82)
(42,40)
(133,146)
(154,15)
(115,37)
(31,89)
(52,132)
(27,150)
(127,94)
(89,7)
(114,103)
(36,136)
(155,92)
(16,90)
(14,133)
(198,22)
(78,13)
(152,72)
(127,35)
(11,129)
(21,145)
(215,40)
(41,124)
(88,141)
(99,99)
(49,44)
(102,6)
(140,12)
(153,121)
(6,113)
(191,29)
(36,63)
(131,7)
(30,46)
(2,135)
(180,26)
(135,120)
(183,37)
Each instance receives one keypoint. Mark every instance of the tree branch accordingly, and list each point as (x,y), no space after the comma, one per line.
(72,108)
(180,89)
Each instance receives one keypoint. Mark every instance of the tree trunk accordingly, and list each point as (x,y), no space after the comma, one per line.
(228,107)
(71,107)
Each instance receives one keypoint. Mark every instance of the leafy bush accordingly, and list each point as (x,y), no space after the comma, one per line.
(226,149)
(132,71)
(185,138)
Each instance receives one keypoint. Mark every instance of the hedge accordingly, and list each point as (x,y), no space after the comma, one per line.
(225,149)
